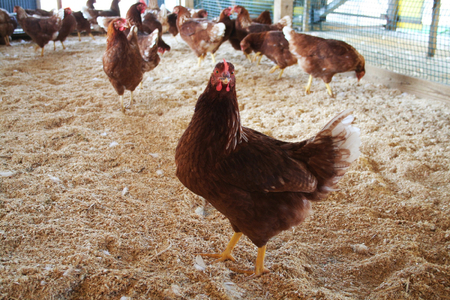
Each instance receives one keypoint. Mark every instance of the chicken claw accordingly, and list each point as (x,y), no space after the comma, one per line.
(121,103)
(200,58)
(255,56)
(259,266)
(227,253)
(79,36)
(330,92)
(308,86)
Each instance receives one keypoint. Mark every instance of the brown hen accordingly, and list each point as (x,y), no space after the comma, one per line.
(40,29)
(262,185)
(323,58)
(122,60)
(271,44)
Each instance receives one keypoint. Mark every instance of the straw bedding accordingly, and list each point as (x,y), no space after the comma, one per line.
(90,207)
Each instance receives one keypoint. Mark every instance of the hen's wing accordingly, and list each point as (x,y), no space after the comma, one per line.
(263,164)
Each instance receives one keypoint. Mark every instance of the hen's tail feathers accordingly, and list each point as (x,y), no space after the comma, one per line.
(331,164)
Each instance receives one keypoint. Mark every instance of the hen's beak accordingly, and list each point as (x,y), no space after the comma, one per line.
(225,80)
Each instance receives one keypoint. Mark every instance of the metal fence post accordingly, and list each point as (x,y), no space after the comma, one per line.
(433,28)
(282,8)
(305,25)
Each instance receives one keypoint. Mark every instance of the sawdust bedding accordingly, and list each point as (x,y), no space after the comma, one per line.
(90,207)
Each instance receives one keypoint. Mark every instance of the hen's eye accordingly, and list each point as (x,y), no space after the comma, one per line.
(217,72)
(232,73)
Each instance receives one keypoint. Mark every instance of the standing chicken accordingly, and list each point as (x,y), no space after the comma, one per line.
(202,35)
(244,26)
(148,25)
(6,26)
(263,18)
(91,14)
(262,185)
(68,25)
(271,44)
(83,25)
(122,61)
(322,58)
(41,30)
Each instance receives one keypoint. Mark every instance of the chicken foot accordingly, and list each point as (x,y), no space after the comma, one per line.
(200,58)
(42,49)
(6,38)
(90,34)
(213,58)
(308,86)
(226,254)
(259,265)
(54,46)
(274,68)
(258,54)
(330,92)
(121,103)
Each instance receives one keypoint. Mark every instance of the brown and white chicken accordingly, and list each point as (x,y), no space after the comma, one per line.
(323,58)
(202,35)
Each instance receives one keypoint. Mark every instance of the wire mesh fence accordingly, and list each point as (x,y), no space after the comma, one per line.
(410,37)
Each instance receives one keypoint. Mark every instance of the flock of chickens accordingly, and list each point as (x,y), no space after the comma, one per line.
(262,185)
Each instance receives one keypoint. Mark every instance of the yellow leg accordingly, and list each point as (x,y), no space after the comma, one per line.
(36,48)
(274,68)
(213,58)
(281,73)
(227,253)
(308,86)
(248,57)
(200,58)
(63,45)
(255,56)
(42,52)
(79,36)
(259,60)
(54,45)
(90,34)
(131,100)
(140,84)
(259,265)
(6,38)
(121,103)
(330,92)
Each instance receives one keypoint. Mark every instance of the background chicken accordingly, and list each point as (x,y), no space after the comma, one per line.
(7,26)
(39,12)
(148,25)
(263,18)
(244,26)
(202,35)
(83,24)
(42,29)
(322,58)
(262,185)
(69,24)
(271,44)
(91,14)
(122,61)
(172,23)
(198,13)
(161,15)
(245,23)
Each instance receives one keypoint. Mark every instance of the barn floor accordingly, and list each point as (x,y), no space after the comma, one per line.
(90,207)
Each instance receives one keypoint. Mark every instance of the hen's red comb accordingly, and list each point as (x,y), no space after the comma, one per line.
(142,1)
(226,65)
